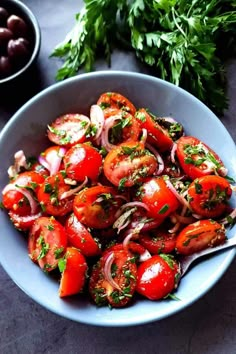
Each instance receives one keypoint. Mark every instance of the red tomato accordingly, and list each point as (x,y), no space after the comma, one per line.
(157,277)
(69,129)
(129,163)
(159,199)
(37,167)
(157,135)
(74,272)
(200,235)
(50,193)
(127,128)
(95,207)
(14,200)
(123,272)
(196,158)
(133,247)
(79,237)
(47,242)
(158,241)
(209,196)
(82,161)
(116,100)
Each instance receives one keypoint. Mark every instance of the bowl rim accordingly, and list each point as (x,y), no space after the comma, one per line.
(229,254)
(37,44)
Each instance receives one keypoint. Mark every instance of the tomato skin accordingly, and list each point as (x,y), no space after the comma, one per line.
(93,214)
(79,237)
(82,161)
(102,292)
(120,166)
(74,275)
(49,196)
(200,235)
(47,242)
(209,195)
(156,278)
(68,130)
(14,200)
(157,135)
(190,168)
(116,100)
(158,241)
(159,199)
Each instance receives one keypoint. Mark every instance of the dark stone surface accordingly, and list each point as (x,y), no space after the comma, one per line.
(208,326)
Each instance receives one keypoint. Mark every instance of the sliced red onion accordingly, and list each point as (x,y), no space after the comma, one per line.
(144,136)
(222,171)
(25,192)
(109,123)
(172,153)
(181,199)
(72,191)
(20,161)
(144,256)
(43,162)
(160,161)
(118,196)
(107,271)
(97,119)
(130,205)
(123,219)
(53,160)
(232,215)
(175,228)
(169,119)
(127,240)
(185,219)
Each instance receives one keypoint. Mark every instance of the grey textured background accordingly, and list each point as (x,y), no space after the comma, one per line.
(208,326)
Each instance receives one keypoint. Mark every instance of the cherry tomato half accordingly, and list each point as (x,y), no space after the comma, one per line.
(47,242)
(73,272)
(79,237)
(14,200)
(129,164)
(157,277)
(159,199)
(158,241)
(82,161)
(196,158)
(123,272)
(50,194)
(200,235)
(69,129)
(96,206)
(157,135)
(116,100)
(209,195)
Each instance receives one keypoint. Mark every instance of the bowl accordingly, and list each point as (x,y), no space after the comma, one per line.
(26,130)
(23,43)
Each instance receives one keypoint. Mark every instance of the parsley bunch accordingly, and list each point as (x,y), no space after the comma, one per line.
(184,42)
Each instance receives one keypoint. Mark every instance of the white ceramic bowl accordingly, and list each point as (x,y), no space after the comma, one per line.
(26,130)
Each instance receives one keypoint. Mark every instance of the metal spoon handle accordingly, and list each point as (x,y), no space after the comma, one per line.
(186,261)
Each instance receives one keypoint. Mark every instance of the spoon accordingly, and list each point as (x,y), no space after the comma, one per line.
(186,261)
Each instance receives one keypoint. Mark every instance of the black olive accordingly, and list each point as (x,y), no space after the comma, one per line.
(18,50)
(3,16)
(5,36)
(5,67)
(17,25)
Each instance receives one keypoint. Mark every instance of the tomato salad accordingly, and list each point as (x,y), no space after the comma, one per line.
(114,200)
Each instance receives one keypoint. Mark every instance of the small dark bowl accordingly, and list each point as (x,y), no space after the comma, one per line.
(15,7)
